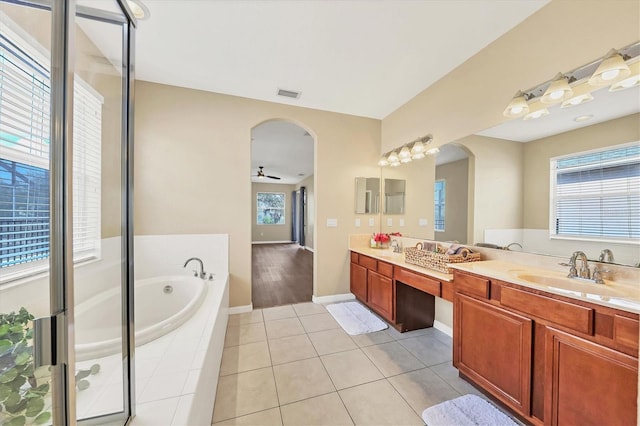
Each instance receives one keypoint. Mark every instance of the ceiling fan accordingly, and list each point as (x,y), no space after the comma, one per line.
(260,174)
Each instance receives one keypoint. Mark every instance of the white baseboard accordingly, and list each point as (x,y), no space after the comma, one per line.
(240,309)
(443,327)
(272,242)
(333,298)
(309,249)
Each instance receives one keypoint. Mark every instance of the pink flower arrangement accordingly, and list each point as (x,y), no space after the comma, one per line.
(381,238)
(384,238)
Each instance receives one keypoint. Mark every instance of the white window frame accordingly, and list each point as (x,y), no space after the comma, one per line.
(553,196)
(86,162)
(284,208)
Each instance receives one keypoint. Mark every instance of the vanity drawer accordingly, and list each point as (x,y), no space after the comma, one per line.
(385,269)
(354,257)
(566,314)
(368,262)
(471,285)
(625,331)
(428,285)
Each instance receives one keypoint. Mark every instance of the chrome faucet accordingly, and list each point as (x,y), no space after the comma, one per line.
(513,244)
(606,255)
(396,246)
(584,269)
(202,273)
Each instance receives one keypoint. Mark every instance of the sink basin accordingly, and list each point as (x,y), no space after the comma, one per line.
(571,285)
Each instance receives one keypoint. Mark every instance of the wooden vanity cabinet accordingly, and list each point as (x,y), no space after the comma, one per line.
(372,284)
(587,383)
(492,347)
(380,294)
(552,359)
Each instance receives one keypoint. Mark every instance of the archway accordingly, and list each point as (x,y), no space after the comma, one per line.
(283,213)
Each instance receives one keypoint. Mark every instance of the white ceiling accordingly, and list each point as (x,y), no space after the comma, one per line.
(359,57)
(284,150)
(364,58)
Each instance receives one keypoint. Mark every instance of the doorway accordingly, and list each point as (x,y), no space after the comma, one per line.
(282,181)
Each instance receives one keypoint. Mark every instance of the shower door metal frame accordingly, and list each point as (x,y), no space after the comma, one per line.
(61,353)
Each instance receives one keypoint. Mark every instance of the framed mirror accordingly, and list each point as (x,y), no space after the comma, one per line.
(367,195)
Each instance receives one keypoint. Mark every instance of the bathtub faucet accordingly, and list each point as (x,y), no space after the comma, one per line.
(202,273)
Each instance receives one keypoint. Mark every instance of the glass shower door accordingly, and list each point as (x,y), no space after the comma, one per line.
(65,213)
(100,215)
(32,389)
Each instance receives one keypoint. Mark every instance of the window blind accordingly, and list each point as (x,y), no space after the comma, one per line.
(24,159)
(439,205)
(596,195)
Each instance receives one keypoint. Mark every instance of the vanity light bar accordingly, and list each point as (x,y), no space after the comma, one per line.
(620,69)
(414,150)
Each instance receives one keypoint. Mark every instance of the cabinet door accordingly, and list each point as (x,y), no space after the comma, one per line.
(359,282)
(380,294)
(492,347)
(588,384)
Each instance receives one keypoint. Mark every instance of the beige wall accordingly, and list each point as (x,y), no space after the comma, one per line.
(497,183)
(456,176)
(190,144)
(472,97)
(310,220)
(261,232)
(538,153)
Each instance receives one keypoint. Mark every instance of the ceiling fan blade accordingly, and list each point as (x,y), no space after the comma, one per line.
(273,177)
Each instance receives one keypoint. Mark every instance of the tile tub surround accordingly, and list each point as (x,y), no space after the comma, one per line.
(317,374)
(176,374)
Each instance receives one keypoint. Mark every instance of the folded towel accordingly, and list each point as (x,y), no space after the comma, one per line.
(467,410)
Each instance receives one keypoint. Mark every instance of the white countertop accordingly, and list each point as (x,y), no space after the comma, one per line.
(614,294)
(387,255)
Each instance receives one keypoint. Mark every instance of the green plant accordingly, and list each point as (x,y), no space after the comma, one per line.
(23,389)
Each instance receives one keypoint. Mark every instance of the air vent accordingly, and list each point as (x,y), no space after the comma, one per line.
(289,93)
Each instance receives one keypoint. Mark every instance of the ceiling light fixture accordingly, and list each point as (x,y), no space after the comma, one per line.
(577,100)
(139,10)
(405,155)
(559,90)
(412,151)
(612,67)
(518,105)
(383,161)
(536,114)
(627,83)
(582,118)
(433,151)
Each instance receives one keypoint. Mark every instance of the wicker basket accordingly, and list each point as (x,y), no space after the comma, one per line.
(436,261)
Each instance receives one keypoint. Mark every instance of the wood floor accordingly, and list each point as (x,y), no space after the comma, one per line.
(282,274)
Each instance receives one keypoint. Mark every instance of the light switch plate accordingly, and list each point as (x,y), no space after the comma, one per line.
(422,222)
(389,221)
(332,223)
(401,222)
(358,223)
(372,222)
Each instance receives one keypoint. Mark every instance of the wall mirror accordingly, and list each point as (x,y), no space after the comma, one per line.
(508,178)
(367,195)
(394,195)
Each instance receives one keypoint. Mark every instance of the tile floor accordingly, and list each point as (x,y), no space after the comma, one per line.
(293,365)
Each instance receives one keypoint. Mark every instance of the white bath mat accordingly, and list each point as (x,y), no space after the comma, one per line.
(355,318)
(467,410)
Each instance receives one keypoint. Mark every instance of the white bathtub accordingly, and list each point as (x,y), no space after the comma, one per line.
(162,304)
